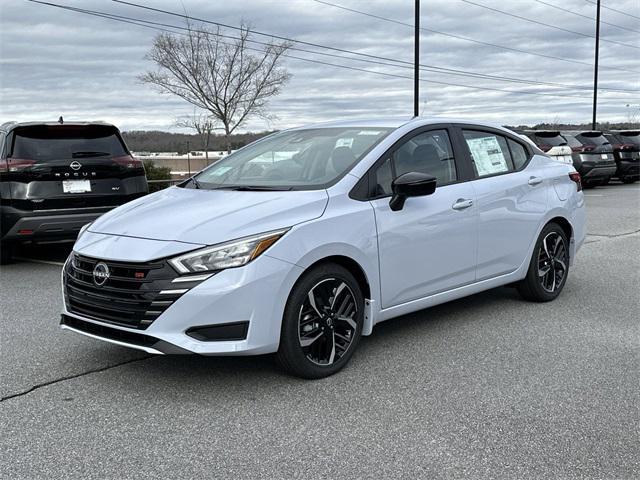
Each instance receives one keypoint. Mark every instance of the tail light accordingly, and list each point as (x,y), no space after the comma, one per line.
(16,165)
(128,161)
(583,149)
(544,147)
(575,177)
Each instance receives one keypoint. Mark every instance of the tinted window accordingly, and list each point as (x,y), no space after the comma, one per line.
(428,152)
(548,138)
(383,176)
(47,143)
(630,137)
(518,154)
(572,141)
(489,152)
(592,139)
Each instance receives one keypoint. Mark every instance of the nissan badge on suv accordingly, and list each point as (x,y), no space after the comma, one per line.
(55,178)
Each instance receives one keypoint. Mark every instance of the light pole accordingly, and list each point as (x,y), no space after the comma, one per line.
(595,67)
(416,60)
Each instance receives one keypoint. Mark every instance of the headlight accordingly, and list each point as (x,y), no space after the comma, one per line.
(226,255)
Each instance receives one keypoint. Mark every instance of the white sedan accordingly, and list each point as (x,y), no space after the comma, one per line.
(300,243)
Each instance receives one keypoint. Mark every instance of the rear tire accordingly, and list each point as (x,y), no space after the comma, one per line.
(629,180)
(322,322)
(6,253)
(549,266)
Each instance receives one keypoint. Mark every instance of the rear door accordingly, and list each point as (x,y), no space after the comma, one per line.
(70,166)
(429,246)
(511,198)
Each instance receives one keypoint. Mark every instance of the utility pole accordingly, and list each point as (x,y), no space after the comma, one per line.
(595,67)
(416,61)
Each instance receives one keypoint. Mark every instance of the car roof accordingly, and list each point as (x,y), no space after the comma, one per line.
(397,122)
(8,126)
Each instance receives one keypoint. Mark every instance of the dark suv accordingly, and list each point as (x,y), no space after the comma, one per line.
(592,156)
(55,178)
(626,150)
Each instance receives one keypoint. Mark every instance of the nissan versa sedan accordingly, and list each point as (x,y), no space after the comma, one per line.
(300,243)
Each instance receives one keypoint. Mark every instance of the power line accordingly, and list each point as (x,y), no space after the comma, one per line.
(138,22)
(472,40)
(613,9)
(371,58)
(585,16)
(530,20)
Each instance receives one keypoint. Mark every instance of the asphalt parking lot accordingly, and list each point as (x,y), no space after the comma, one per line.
(484,387)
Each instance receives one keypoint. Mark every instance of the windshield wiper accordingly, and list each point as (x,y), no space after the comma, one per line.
(89,154)
(252,188)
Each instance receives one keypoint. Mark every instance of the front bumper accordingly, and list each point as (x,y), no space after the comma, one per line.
(256,293)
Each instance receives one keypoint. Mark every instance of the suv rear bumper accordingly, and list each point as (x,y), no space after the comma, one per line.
(45,225)
(628,169)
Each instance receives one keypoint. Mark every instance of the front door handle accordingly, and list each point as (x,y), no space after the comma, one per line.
(462,203)
(535,181)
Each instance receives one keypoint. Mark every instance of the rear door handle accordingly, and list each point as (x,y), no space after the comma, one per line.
(535,181)
(462,203)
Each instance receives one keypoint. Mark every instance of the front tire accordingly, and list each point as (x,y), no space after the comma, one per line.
(549,266)
(322,322)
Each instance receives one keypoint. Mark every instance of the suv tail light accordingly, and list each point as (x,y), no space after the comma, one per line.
(583,149)
(545,147)
(575,176)
(16,164)
(128,161)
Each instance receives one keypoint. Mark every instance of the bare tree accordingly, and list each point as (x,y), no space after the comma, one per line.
(204,125)
(223,75)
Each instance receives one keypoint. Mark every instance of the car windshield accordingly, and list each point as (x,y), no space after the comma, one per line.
(292,160)
(48,143)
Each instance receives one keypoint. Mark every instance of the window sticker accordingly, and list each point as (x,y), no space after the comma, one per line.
(487,155)
(344,142)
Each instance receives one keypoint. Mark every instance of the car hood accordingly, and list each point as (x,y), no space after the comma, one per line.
(207,217)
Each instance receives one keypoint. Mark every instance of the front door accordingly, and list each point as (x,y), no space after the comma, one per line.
(429,246)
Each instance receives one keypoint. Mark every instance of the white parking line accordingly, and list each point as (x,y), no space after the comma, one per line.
(594,195)
(35,260)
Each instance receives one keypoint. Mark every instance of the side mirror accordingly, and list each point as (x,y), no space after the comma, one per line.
(411,184)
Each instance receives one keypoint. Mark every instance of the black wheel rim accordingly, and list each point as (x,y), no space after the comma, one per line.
(552,262)
(327,321)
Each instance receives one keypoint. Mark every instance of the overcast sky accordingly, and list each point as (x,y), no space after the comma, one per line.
(56,62)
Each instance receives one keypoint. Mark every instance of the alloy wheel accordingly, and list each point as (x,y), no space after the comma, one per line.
(327,321)
(552,262)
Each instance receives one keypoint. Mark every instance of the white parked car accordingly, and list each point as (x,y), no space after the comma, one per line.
(348,225)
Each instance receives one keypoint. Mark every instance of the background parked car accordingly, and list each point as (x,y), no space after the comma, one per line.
(626,150)
(552,143)
(592,156)
(55,178)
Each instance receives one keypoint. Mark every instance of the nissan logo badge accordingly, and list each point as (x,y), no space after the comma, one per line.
(75,165)
(100,273)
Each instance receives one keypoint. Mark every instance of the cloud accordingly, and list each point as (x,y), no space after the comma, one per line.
(56,62)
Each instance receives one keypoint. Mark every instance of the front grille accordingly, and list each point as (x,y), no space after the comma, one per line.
(133,295)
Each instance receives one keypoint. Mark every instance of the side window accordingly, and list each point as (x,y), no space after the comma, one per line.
(518,154)
(429,152)
(489,152)
(383,176)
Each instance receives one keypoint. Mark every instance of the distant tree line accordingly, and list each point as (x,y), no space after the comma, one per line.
(604,126)
(158,141)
